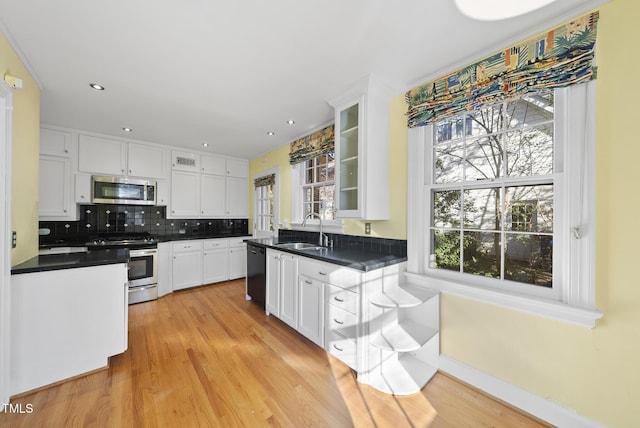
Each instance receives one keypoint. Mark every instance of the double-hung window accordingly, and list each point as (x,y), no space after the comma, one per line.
(318,186)
(492,192)
(505,211)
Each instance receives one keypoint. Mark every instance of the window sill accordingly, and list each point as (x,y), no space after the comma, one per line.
(550,309)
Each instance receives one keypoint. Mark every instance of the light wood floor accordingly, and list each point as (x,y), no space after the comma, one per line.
(207,358)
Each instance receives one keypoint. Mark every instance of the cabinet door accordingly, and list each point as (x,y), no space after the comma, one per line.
(311,304)
(213,165)
(55,143)
(289,290)
(272,304)
(55,182)
(237,262)
(237,168)
(212,195)
(162,193)
(185,194)
(237,198)
(101,155)
(83,188)
(164,269)
(146,161)
(187,269)
(214,265)
(347,145)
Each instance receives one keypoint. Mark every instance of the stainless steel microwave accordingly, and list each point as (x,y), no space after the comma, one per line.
(120,190)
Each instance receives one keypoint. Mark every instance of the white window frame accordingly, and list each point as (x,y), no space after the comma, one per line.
(573,299)
(276,204)
(297,201)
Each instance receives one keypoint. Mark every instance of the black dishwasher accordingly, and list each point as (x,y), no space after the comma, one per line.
(256,273)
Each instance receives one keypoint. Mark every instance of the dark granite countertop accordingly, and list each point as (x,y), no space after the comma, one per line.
(50,262)
(353,256)
(158,240)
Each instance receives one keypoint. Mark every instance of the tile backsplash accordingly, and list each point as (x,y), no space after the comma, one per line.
(104,220)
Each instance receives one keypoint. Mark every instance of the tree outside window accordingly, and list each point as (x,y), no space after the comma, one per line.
(492,191)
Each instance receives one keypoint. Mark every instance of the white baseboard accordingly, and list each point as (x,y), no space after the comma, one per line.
(535,405)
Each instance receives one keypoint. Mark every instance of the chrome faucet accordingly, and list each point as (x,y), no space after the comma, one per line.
(323,240)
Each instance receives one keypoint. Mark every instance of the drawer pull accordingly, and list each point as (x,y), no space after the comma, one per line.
(338,348)
(338,299)
(322,273)
(338,322)
(308,282)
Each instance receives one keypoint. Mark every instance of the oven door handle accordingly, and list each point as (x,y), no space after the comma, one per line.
(138,253)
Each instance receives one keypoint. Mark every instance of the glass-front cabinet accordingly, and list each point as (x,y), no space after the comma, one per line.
(362,151)
(348,156)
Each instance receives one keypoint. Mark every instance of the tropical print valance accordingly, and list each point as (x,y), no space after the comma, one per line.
(265,180)
(561,57)
(317,143)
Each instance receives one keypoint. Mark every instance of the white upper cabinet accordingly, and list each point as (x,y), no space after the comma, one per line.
(55,183)
(237,168)
(362,150)
(185,195)
(237,197)
(212,196)
(98,155)
(146,161)
(213,165)
(185,161)
(55,143)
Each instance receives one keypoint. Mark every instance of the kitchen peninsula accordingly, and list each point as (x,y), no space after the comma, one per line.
(69,315)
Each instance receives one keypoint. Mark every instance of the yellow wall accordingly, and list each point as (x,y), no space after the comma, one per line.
(396,226)
(595,372)
(25,155)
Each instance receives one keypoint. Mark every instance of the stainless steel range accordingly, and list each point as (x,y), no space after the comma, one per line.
(143,262)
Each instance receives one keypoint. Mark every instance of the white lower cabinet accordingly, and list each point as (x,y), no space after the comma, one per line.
(311,309)
(206,261)
(187,264)
(215,261)
(385,329)
(289,289)
(237,258)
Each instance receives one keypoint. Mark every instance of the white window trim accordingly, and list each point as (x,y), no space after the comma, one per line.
(576,301)
(276,200)
(330,226)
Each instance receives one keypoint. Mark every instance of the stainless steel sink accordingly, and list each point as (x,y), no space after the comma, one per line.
(299,246)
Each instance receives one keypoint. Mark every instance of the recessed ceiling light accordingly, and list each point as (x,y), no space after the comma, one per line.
(96,86)
(291,122)
(271,133)
(127,129)
(205,144)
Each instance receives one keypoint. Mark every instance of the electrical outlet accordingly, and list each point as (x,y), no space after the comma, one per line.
(14,239)
(367,228)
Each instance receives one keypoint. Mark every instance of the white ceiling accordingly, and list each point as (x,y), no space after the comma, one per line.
(184,72)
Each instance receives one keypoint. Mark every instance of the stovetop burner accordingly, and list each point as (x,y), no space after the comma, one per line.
(123,241)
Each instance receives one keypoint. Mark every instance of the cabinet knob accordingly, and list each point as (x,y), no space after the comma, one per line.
(81,196)
(65,210)
(129,171)
(66,151)
(122,170)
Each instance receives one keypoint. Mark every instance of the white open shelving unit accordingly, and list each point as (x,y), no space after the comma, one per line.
(404,338)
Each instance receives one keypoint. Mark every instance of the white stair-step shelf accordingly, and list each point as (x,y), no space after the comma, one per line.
(404,345)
